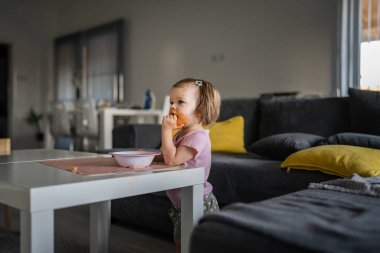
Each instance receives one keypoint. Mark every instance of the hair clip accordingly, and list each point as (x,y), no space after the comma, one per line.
(199,83)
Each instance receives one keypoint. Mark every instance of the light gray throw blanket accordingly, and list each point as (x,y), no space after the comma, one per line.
(354,184)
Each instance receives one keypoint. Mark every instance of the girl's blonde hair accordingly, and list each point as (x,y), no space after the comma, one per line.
(208,106)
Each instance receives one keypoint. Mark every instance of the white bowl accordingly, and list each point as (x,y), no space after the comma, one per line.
(134,159)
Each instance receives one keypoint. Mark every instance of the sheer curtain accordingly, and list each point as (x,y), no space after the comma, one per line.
(349,30)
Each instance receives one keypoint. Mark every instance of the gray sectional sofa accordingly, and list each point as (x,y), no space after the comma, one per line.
(266,208)
(339,216)
(241,177)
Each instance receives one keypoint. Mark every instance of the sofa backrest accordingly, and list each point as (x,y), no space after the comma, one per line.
(246,107)
(320,116)
(265,117)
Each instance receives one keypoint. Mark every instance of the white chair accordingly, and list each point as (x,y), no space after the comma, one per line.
(60,126)
(166,106)
(87,124)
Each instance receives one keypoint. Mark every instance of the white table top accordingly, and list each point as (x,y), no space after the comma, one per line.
(28,155)
(33,186)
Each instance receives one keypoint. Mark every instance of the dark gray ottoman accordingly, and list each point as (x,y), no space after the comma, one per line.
(312,220)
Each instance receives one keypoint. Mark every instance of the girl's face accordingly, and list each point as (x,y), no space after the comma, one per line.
(183,102)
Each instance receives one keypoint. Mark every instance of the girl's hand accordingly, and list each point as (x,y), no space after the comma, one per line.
(169,122)
(171,154)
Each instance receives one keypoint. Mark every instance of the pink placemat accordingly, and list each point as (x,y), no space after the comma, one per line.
(101,165)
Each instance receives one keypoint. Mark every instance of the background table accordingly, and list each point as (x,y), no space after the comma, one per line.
(107,121)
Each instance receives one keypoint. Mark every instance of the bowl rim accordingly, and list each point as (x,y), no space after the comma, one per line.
(134,153)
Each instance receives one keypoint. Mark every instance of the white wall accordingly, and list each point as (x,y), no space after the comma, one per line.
(27,29)
(267,45)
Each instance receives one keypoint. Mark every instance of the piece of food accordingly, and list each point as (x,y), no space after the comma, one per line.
(137,167)
(181,119)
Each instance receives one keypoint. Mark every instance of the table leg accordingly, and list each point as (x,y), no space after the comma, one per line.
(100,226)
(37,231)
(106,126)
(191,212)
(7,218)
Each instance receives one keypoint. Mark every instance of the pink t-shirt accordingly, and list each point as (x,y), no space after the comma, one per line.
(200,141)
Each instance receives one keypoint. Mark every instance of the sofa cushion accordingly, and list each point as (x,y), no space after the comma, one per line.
(365,111)
(340,160)
(280,146)
(246,107)
(228,135)
(321,116)
(355,139)
(248,177)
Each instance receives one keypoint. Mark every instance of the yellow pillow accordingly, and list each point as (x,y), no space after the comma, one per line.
(340,160)
(228,135)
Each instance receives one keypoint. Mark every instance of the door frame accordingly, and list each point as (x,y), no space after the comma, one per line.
(9,86)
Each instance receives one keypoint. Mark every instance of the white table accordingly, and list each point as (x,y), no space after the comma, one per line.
(29,155)
(37,190)
(107,121)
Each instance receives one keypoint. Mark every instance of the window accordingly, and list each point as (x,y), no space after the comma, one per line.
(90,64)
(370,45)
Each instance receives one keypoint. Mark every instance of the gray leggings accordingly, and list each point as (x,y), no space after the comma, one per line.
(210,204)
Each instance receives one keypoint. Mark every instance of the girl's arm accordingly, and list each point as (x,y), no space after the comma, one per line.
(171,154)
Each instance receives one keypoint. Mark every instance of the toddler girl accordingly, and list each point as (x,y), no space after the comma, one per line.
(193,104)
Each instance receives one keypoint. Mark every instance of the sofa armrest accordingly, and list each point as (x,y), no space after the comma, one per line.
(137,136)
